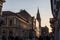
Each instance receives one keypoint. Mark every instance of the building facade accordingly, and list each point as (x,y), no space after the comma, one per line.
(19,25)
(16,25)
(55,21)
(1,5)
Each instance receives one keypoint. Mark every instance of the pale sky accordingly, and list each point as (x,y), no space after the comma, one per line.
(31,7)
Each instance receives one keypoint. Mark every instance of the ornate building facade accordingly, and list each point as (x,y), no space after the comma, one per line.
(20,24)
(16,24)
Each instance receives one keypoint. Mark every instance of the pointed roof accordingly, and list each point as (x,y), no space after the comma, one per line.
(38,14)
(25,14)
(38,11)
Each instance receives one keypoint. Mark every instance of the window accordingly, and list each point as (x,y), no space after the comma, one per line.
(10,22)
(3,31)
(10,33)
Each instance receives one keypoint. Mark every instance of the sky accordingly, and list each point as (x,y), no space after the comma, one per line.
(31,6)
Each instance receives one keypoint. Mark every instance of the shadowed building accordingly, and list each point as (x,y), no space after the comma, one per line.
(1,18)
(16,24)
(55,21)
(44,31)
(21,25)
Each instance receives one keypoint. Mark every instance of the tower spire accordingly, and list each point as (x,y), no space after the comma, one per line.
(38,15)
(39,20)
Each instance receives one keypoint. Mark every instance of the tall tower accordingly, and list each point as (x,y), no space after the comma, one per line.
(1,4)
(38,18)
(39,21)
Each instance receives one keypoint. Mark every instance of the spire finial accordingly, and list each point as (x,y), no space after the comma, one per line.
(38,10)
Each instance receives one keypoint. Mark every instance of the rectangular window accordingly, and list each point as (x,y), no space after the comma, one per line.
(10,22)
